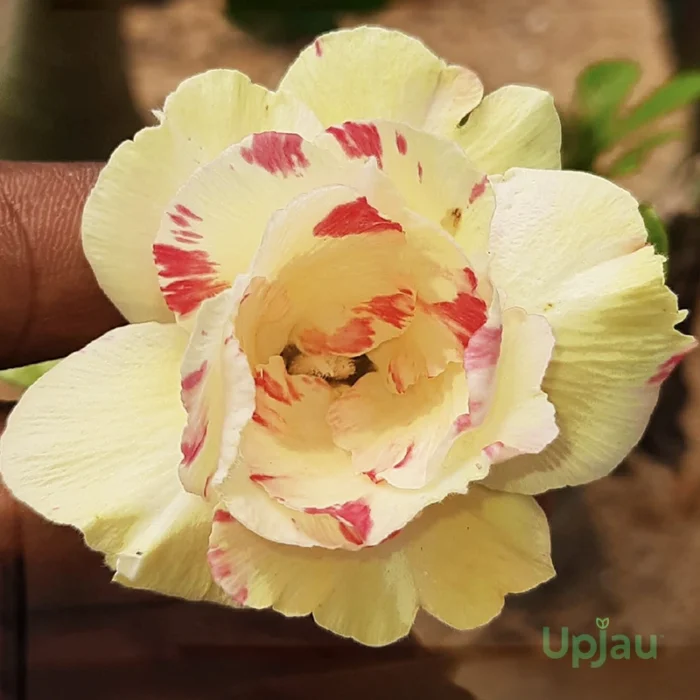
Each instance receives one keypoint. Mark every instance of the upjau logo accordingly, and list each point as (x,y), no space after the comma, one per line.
(585,647)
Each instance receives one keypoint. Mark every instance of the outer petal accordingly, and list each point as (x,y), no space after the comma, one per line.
(374,73)
(95,444)
(459,560)
(615,343)
(549,226)
(205,115)
(571,246)
(367,595)
(470,551)
(514,126)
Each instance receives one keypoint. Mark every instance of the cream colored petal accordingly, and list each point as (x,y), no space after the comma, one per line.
(367,595)
(433,176)
(288,448)
(572,247)
(513,127)
(615,343)
(399,438)
(375,73)
(470,551)
(95,444)
(205,115)
(551,225)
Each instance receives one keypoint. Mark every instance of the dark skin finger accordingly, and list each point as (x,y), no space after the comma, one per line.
(50,304)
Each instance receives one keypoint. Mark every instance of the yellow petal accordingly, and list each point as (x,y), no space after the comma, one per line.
(95,444)
(205,115)
(374,73)
(571,247)
(615,343)
(367,595)
(433,176)
(513,127)
(551,225)
(470,551)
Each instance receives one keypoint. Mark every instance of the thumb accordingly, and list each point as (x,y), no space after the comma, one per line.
(50,304)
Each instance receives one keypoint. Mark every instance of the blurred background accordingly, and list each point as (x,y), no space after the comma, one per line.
(79,76)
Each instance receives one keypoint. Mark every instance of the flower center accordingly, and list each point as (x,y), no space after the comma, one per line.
(335,369)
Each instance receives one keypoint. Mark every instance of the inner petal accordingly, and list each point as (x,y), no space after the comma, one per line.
(288,447)
(451,306)
(399,438)
(332,278)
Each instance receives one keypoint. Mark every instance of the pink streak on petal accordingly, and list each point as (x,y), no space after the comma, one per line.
(396,378)
(354,218)
(394,309)
(492,450)
(194,378)
(406,458)
(464,315)
(260,478)
(182,209)
(354,519)
(353,338)
(271,387)
(192,443)
(666,368)
(220,569)
(240,596)
(484,349)
(462,423)
(277,153)
(179,220)
(223,516)
(401,143)
(198,275)
(318,48)
(478,190)
(359,140)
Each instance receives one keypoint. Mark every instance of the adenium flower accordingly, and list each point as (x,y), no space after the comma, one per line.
(370,319)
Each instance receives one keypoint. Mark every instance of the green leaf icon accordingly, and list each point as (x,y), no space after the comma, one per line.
(602,622)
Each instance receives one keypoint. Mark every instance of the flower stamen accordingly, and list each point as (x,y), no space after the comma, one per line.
(335,369)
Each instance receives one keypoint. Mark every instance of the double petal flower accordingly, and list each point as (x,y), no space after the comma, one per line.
(370,319)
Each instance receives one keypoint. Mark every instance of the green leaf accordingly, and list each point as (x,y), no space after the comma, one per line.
(601,89)
(632,160)
(26,376)
(680,92)
(656,231)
